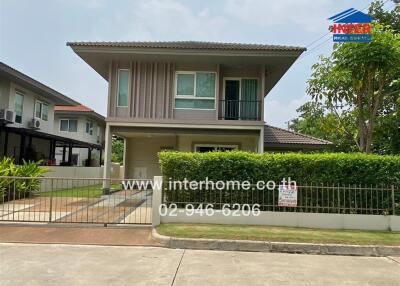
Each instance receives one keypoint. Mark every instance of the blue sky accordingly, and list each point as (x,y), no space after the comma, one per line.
(33,36)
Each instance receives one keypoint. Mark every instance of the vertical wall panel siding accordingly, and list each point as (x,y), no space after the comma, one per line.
(150,92)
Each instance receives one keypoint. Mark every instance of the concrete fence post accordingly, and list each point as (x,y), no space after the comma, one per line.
(157,194)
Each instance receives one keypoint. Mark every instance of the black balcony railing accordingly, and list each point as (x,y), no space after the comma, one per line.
(240,110)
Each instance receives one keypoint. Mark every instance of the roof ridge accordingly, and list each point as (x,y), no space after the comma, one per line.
(227,45)
(75,108)
(299,134)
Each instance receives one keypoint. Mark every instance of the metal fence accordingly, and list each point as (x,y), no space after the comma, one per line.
(72,200)
(339,199)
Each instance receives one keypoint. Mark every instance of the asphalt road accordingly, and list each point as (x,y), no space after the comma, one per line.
(55,264)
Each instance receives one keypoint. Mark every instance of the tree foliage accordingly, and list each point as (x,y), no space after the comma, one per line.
(358,88)
(313,120)
(117,150)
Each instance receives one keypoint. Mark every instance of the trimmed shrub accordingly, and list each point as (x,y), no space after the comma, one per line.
(328,169)
(318,168)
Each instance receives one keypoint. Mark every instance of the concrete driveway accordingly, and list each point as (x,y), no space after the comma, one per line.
(30,264)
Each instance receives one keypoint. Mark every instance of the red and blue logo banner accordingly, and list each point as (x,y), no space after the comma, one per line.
(351,26)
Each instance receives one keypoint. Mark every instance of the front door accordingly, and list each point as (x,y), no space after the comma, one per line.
(232,97)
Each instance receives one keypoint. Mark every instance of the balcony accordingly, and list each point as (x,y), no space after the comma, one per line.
(239,110)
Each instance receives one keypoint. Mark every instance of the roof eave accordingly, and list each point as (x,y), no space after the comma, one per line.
(81,113)
(36,86)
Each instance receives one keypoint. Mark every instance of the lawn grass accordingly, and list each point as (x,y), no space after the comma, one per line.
(94,191)
(282,234)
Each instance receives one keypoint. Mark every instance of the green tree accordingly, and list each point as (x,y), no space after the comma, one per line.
(358,88)
(315,121)
(357,76)
(387,131)
(385,17)
(117,150)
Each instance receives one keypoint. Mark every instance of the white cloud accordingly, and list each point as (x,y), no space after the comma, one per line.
(169,20)
(87,4)
(300,14)
(279,112)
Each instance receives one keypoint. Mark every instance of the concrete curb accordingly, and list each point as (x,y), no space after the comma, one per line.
(267,246)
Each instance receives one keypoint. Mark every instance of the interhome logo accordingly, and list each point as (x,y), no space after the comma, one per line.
(351,26)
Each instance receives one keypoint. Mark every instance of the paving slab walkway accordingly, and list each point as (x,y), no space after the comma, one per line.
(96,235)
(49,264)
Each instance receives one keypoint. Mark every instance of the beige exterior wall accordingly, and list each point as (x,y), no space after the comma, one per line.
(141,152)
(70,174)
(141,158)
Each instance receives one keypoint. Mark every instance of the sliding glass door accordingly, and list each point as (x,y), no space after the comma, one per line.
(232,98)
(240,101)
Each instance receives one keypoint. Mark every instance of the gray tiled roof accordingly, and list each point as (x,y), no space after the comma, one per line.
(275,135)
(196,45)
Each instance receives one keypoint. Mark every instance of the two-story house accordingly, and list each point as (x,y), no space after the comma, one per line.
(189,96)
(28,120)
(79,122)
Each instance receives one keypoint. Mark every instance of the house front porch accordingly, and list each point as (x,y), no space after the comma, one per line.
(142,144)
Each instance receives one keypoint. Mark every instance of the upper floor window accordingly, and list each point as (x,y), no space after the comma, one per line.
(195,90)
(69,125)
(89,127)
(41,110)
(18,107)
(123,86)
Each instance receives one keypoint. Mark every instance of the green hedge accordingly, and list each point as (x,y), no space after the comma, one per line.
(326,168)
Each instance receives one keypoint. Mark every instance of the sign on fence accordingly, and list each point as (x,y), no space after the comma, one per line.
(287,196)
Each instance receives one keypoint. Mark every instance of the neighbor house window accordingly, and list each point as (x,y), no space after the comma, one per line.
(214,148)
(41,110)
(18,107)
(69,125)
(195,90)
(89,128)
(123,86)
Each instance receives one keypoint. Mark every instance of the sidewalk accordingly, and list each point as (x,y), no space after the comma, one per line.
(45,264)
(75,234)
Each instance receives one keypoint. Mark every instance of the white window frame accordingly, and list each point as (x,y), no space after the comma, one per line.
(42,103)
(91,127)
(239,79)
(22,111)
(69,119)
(234,146)
(194,92)
(129,88)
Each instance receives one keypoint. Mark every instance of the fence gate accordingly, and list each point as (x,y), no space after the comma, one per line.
(71,200)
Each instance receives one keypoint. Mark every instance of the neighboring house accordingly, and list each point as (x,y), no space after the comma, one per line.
(281,140)
(27,119)
(189,96)
(80,123)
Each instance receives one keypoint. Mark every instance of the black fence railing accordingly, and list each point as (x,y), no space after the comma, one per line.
(240,110)
(339,199)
